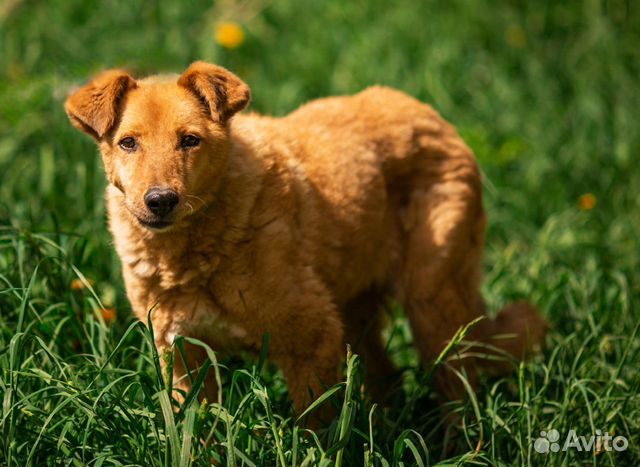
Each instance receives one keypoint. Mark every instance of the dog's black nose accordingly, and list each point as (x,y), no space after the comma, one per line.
(161,201)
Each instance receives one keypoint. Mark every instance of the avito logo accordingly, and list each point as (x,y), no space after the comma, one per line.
(550,441)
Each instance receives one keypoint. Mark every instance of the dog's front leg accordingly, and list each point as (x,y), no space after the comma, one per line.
(309,358)
(187,363)
(187,367)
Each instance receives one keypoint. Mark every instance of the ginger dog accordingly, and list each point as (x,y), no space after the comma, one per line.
(301,226)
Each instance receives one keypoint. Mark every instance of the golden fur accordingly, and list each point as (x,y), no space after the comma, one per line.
(299,226)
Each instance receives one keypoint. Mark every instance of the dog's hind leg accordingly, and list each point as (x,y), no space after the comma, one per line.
(363,325)
(444,235)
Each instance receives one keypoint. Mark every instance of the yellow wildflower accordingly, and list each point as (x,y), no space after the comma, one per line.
(229,34)
(77,284)
(516,37)
(15,71)
(587,201)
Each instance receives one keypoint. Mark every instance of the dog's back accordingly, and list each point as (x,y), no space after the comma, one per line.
(362,158)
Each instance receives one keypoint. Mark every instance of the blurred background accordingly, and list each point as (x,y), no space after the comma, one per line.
(546,93)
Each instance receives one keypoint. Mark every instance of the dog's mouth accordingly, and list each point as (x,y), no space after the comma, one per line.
(155,224)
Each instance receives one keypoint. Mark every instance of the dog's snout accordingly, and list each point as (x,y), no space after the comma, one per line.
(161,201)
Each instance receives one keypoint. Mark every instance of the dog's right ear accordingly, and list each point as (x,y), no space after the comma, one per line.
(94,107)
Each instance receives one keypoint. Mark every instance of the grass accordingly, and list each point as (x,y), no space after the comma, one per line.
(546,93)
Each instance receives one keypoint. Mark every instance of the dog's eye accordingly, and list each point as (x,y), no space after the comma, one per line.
(189,141)
(128,143)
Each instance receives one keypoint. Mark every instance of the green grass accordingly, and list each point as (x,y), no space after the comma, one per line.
(546,93)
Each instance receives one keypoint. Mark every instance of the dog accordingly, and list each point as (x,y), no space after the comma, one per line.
(230,226)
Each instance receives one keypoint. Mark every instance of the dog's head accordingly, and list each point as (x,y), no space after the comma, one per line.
(164,140)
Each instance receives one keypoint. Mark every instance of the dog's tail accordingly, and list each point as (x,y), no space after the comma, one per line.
(517,331)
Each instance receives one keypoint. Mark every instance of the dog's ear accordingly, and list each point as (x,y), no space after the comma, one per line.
(221,92)
(94,107)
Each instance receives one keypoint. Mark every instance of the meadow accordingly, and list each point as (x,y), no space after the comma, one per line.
(546,93)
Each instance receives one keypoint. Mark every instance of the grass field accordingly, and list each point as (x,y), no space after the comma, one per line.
(546,93)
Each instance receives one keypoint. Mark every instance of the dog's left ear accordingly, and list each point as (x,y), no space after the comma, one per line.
(222,92)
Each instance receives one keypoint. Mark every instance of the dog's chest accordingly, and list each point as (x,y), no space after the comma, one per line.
(197,294)
(170,266)
(196,315)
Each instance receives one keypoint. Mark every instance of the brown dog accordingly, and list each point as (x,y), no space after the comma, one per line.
(299,226)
